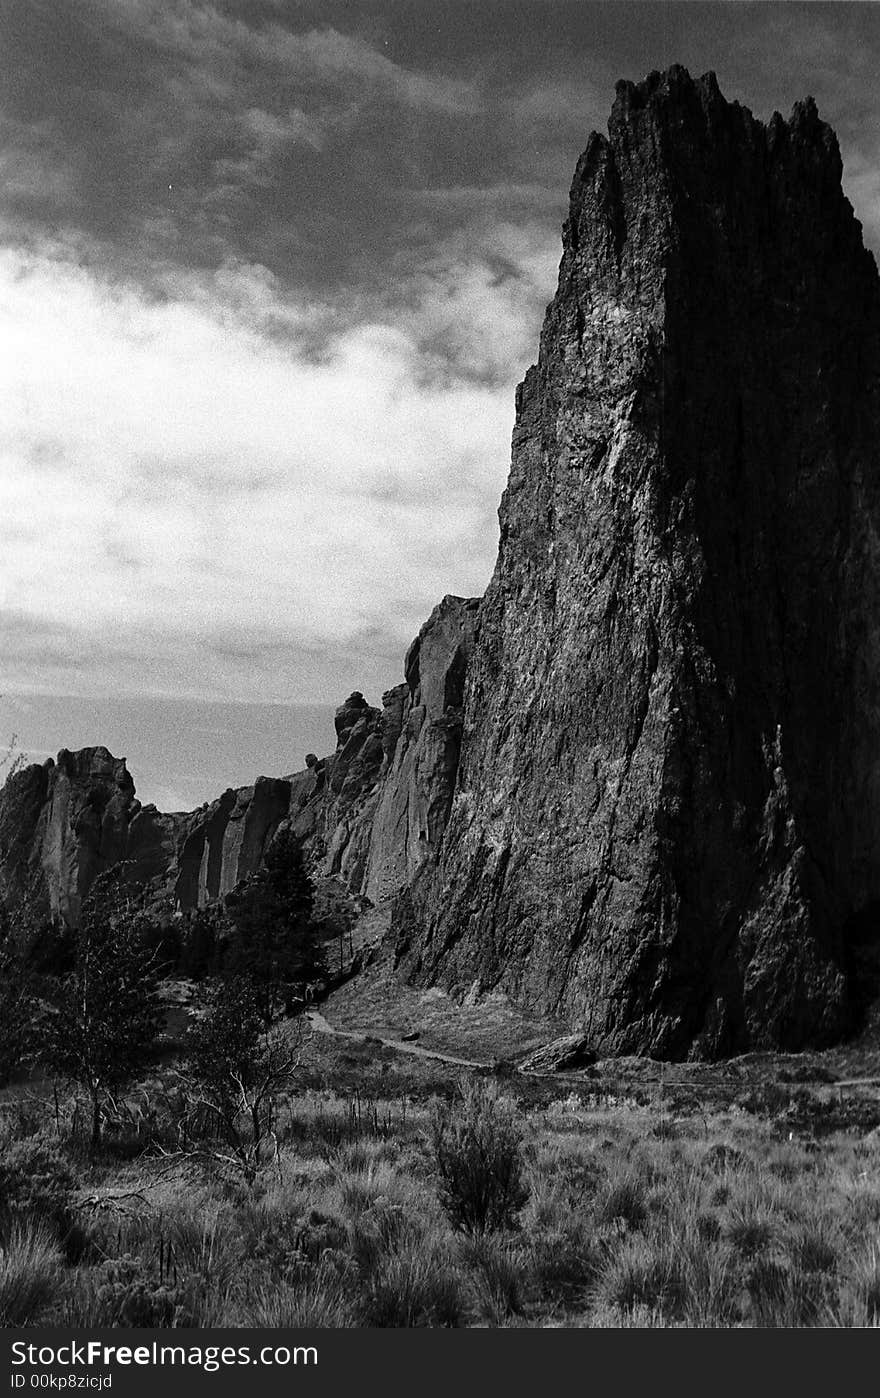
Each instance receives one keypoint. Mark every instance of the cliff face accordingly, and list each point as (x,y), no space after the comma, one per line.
(225,842)
(63,823)
(667,817)
(423,738)
(375,812)
(370,815)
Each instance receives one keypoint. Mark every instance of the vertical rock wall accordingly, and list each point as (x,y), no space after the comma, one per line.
(668,805)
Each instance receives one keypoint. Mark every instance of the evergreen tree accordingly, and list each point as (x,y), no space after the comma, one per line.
(274,940)
(107,1014)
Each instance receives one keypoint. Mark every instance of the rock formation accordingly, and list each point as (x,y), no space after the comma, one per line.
(422,740)
(638,784)
(370,815)
(63,823)
(667,817)
(225,842)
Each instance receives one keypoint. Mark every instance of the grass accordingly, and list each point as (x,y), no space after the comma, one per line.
(29,1272)
(743,1210)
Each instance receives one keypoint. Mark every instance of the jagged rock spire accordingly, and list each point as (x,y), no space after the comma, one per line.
(667,820)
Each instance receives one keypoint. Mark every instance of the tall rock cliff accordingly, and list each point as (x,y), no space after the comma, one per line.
(667,818)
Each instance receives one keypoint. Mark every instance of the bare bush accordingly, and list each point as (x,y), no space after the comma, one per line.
(477,1144)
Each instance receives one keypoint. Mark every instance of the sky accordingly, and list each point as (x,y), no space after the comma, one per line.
(269,274)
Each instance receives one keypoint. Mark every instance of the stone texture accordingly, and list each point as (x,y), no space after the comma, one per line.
(421,738)
(332,806)
(63,823)
(667,817)
(560,1055)
(225,841)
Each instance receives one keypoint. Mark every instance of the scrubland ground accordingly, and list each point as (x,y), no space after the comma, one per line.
(724,1196)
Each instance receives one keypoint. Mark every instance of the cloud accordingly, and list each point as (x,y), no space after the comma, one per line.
(182,485)
(177,133)
(269,273)
(221,45)
(861,180)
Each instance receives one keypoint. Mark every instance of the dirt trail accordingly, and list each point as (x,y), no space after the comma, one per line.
(323,1026)
(320,1025)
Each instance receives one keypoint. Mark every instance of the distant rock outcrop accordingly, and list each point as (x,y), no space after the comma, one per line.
(370,815)
(63,823)
(667,817)
(375,813)
(225,842)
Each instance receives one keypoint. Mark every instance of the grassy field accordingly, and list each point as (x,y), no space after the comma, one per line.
(716,1197)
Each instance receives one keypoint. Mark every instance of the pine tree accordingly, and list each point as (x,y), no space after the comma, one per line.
(274,940)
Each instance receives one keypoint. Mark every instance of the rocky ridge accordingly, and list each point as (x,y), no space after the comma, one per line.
(370,814)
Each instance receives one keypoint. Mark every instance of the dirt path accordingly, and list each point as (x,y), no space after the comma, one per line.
(320,1025)
(323,1026)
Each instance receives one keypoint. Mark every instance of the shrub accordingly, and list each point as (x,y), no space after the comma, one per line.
(477,1146)
(497,1276)
(813,1247)
(36,1186)
(623,1198)
(709,1280)
(125,1292)
(28,1275)
(643,1274)
(750,1230)
(317,1301)
(127,1297)
(859,1300)
(564,1260)
(412,1285)
(768,1283)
